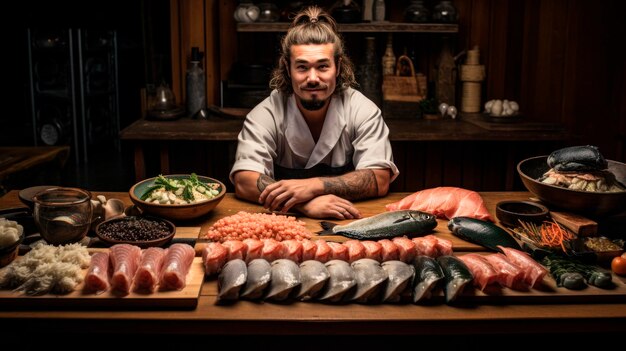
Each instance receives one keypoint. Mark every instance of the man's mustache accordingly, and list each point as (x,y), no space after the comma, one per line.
(313,86)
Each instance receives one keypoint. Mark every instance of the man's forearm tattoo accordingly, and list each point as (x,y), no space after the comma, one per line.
(263,182)
(355,185)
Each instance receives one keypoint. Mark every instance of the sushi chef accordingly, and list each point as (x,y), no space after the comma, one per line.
(315,144)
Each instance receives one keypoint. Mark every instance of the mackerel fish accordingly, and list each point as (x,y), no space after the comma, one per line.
(385,225)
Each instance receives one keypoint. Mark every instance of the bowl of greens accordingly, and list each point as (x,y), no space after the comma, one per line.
(177,196)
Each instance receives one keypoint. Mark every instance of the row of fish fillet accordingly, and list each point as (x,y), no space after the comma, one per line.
(215,255)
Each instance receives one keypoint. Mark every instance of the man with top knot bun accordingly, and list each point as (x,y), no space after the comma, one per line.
(315,144)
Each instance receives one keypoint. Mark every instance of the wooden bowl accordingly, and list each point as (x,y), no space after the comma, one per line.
(176,212)
(594,204)
(137,224)
(511,212)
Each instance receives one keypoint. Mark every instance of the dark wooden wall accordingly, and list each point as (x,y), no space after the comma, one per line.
(559,59)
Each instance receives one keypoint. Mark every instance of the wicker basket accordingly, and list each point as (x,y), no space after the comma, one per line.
(402,94)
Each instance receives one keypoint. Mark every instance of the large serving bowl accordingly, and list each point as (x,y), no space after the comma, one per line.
(595,204)
(176,212)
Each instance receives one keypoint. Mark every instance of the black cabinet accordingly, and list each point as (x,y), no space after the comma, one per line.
(73,76)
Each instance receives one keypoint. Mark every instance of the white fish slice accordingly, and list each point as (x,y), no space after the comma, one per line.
(259,276)
(313,276)
(370,279)
(340,282)
(232,277)
(285,277)
(400,275)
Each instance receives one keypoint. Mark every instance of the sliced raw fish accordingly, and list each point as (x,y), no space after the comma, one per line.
(231,279)
(445,202)
(370,279)
(272,249)
(444,246)
(97,277)
(214,256)
(176,265)
(149,270)
(483,272)
(457,276)
(390,251)
(338,251)
(254,249)
(309,248)
(400,276)
(313,276)
(510,275)
(426,246)
(259,275)
(323,253)
(373,250)
(428,274)
(236,249)
(293,250)
(406,249)
(285,277)
(340,282)
(356,250)
(533,271)
(124,262)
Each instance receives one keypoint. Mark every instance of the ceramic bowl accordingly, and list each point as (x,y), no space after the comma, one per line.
(142,231)
(594,204)
(511,212)
(176,212)
(9,253)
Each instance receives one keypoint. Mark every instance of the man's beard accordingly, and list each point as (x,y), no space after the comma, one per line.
(313,104)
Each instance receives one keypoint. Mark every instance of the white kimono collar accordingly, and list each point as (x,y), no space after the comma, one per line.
(299,136)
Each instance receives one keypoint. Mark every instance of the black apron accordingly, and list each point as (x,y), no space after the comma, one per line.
(319,170)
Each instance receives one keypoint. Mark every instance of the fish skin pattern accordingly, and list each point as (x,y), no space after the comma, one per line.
(389,225)
(482,233)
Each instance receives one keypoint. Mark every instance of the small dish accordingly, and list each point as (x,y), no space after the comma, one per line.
(503,119)
(511,212)
(142,231)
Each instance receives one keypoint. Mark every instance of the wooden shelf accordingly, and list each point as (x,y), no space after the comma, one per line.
(376,27)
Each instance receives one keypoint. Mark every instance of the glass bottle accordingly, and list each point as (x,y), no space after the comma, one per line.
(417,12)
(445,12)
(196,87)
(389,58)
(379,10)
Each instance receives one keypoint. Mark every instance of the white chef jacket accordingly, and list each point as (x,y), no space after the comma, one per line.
(275,132)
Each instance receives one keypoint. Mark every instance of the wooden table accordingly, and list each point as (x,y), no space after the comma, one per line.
(408,137)
(246,317)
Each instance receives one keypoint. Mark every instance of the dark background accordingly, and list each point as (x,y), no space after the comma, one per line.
(143,55)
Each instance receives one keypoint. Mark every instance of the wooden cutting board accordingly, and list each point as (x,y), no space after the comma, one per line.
(548,293)
(187,298)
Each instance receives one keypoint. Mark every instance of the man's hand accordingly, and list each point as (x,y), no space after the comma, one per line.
(329,206)
(285,194)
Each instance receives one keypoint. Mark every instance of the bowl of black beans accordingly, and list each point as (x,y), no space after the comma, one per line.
(142,231)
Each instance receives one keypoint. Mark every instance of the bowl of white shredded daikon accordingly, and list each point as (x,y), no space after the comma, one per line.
(177,196)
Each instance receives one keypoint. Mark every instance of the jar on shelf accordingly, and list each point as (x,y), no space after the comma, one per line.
(268,12)
(246,12)
(417,12)
(445,12)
